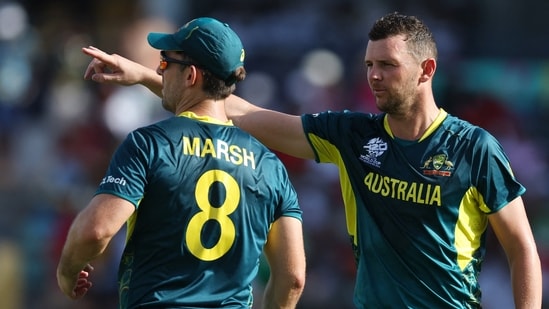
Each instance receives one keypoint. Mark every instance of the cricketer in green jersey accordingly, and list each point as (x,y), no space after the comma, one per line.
(420,186)
(202,199)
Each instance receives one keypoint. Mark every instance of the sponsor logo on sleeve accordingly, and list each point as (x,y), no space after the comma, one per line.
(115,180)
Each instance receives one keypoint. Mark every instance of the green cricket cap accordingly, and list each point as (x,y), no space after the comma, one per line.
(213,44)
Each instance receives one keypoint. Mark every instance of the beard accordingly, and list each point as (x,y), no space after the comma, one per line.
(391,104)
(396,101)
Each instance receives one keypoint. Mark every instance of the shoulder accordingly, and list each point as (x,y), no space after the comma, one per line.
(144,137)
(476,137)
(162,128)
(465,129)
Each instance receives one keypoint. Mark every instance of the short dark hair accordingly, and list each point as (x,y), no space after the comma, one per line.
(419,38)
(214,87)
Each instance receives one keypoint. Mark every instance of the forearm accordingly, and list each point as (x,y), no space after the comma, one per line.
(84,243)
(237,109)
(285,296)
(276,130)
(527,281)
(512,229)
(74,269)
(77,254)
(88,237)
(152,81)
(286,256)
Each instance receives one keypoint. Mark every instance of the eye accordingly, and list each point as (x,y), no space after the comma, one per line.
(388,64)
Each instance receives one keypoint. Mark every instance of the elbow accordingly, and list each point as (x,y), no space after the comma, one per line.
(299,282)
(98,235)
(293,282)
(283,291)
(296,282)
(94,236)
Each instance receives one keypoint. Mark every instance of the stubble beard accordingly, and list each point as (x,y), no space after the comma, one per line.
(389,105)
(396,102)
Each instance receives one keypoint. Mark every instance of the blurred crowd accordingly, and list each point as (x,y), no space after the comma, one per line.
(58,131)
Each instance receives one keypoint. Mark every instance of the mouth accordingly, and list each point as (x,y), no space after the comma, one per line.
(378,91)
(377,88)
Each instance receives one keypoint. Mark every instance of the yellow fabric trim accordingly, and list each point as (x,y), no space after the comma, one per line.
(330,154)
(440,117)
(471,223)
(209,119)
(130,225)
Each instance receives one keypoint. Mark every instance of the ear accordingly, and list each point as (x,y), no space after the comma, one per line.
(193,75)
(429,67)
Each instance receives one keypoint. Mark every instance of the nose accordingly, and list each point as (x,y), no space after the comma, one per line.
(159,71)
(373,74)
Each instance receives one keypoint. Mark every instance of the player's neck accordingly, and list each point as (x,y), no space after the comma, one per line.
(411,127)
(209,108)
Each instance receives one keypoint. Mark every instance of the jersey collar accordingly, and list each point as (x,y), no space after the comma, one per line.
(208,119)
(440,118)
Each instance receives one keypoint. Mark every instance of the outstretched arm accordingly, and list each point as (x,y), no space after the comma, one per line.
(115,69)
(279,131)
(512,229)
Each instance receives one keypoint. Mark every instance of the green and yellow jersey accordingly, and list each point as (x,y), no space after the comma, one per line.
(206,194)
(416,211)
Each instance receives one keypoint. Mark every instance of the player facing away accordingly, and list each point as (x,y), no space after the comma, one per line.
(202,199)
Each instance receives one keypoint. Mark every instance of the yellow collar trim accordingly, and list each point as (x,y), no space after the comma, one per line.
(208,119)
(440,118)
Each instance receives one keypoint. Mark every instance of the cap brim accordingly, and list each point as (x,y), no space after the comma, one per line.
(162,41)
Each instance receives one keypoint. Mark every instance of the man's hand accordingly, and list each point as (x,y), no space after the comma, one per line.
(115,69)
(76,288)
(112,68)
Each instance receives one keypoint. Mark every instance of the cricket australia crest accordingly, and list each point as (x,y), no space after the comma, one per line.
(438,165)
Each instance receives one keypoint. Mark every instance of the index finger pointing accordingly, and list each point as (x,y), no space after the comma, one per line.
(100,61)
